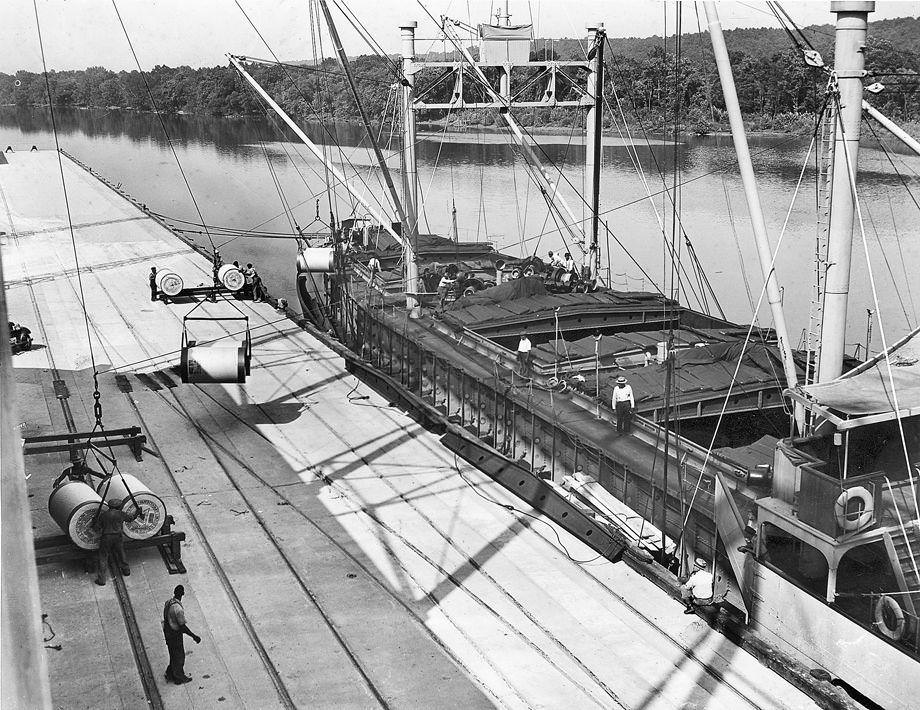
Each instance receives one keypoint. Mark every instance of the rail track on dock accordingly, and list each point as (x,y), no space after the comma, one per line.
(126,608)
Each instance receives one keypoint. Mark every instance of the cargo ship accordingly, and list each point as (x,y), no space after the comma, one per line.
(793,473)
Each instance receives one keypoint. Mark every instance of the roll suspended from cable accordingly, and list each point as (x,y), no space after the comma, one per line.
(211,363)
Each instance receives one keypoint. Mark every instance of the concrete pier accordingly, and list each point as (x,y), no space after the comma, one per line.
(337,555)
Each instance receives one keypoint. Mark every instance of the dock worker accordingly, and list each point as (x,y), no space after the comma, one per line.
(153,283)
(174,628)
(697,590)
(111,522)
(623,403)
(524,353)
(249,274)
(259,293)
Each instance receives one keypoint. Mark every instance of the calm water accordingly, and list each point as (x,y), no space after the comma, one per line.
(227,164)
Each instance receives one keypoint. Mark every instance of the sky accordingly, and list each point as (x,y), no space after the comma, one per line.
(81,33)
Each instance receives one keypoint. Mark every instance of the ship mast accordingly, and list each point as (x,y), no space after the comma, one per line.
(764,250)
(849,60)
(409,167)
(594,120)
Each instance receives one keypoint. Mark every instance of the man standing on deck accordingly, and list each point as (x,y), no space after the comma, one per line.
(173,629)
(153,283)
(623,403)
(111,522)
(523,354)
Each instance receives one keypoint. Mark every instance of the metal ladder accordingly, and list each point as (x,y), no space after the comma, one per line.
(826,135)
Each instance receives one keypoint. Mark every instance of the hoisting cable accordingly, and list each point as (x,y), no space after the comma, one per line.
(159,116)
(97,395)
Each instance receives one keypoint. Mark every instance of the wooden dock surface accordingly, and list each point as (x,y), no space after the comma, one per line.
(337,555)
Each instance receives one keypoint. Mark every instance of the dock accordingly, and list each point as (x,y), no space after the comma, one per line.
(336,554)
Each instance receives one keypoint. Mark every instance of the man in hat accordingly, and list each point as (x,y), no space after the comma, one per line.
(153,283)
(173,630)
(523,353)
(697,590)
(111,522)
(623,403)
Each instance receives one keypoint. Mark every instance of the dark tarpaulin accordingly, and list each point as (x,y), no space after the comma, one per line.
(528,287)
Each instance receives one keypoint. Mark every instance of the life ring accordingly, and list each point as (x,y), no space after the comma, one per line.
(846,521)
(889,618)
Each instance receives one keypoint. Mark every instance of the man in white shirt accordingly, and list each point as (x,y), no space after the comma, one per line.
(555,261)
(373,268)
(570,264)
(623,403)
(697,590)
(523,354)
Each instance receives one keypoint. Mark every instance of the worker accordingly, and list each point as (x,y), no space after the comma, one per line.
(569,264)
(524,353)
(174,628)
(258,289)
(623,403)
(448,279)
(555,261)
(373,268)
(153,283)
(111,523)
(697,590)
(249,275)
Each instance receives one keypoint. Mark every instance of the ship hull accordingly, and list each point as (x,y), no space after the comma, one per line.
(807,628)
(520,425)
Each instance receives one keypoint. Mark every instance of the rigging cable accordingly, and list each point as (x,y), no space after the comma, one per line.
(747,338)
(162,122)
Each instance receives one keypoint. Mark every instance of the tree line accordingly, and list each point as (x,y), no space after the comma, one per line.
(654,87)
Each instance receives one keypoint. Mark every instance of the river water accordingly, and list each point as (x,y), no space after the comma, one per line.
(232,164)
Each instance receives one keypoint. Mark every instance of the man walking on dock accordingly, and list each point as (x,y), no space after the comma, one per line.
(111,521)
(173,630)
(623,403)
(153,283)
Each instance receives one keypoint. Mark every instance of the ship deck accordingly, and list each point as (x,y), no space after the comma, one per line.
(337,554)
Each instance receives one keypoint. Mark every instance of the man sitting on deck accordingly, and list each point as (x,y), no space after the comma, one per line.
(697,590)
(623,403)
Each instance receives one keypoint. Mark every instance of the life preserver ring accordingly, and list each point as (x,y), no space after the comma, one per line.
(848,522)
(889,618)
